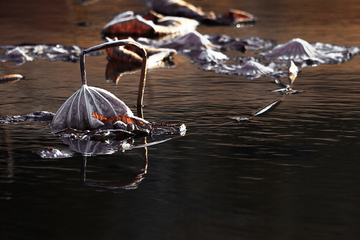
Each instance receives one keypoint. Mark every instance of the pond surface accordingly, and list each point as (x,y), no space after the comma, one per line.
(292,173)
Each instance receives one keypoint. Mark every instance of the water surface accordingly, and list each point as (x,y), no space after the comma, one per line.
(292,173)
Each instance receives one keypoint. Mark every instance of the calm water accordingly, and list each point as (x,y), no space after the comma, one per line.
(293,173)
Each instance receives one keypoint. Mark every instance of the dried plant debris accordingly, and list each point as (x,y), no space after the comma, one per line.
(54,153)
(304,54)
(250,70)
(128,54)
(12,78)
(192,40)
(175,8)
(118,126)
(227,43)
(138,125)
(152,25)
(96,142)
(14,54)
(39,116)
(261,111)
(287,89)
(206,51)
(206,58)
(233,17)
(184,9)
(193,45)
(19,54)
(90,147)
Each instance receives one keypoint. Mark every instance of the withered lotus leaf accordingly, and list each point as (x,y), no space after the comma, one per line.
(227,43)
(250,69)
(77,111)
(131,24)
(54,153)
(304,54)
(192,45)
(192,40)
(234,18)
(19,54)
(184,9)
(16,55)
(206,58)
(175,8)
(39,116)
(130,54)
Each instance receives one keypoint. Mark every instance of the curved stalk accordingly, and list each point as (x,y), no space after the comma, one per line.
(117,43)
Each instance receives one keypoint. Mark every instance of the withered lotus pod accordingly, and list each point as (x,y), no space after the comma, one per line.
(77,112)
(131,24)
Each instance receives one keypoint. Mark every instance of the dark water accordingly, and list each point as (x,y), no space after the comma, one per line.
(293,173)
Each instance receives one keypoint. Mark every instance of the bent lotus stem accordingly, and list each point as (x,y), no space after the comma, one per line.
(117,43)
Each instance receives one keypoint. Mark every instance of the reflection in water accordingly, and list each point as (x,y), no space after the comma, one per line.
(120,181)
(115,69)
(89,147)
